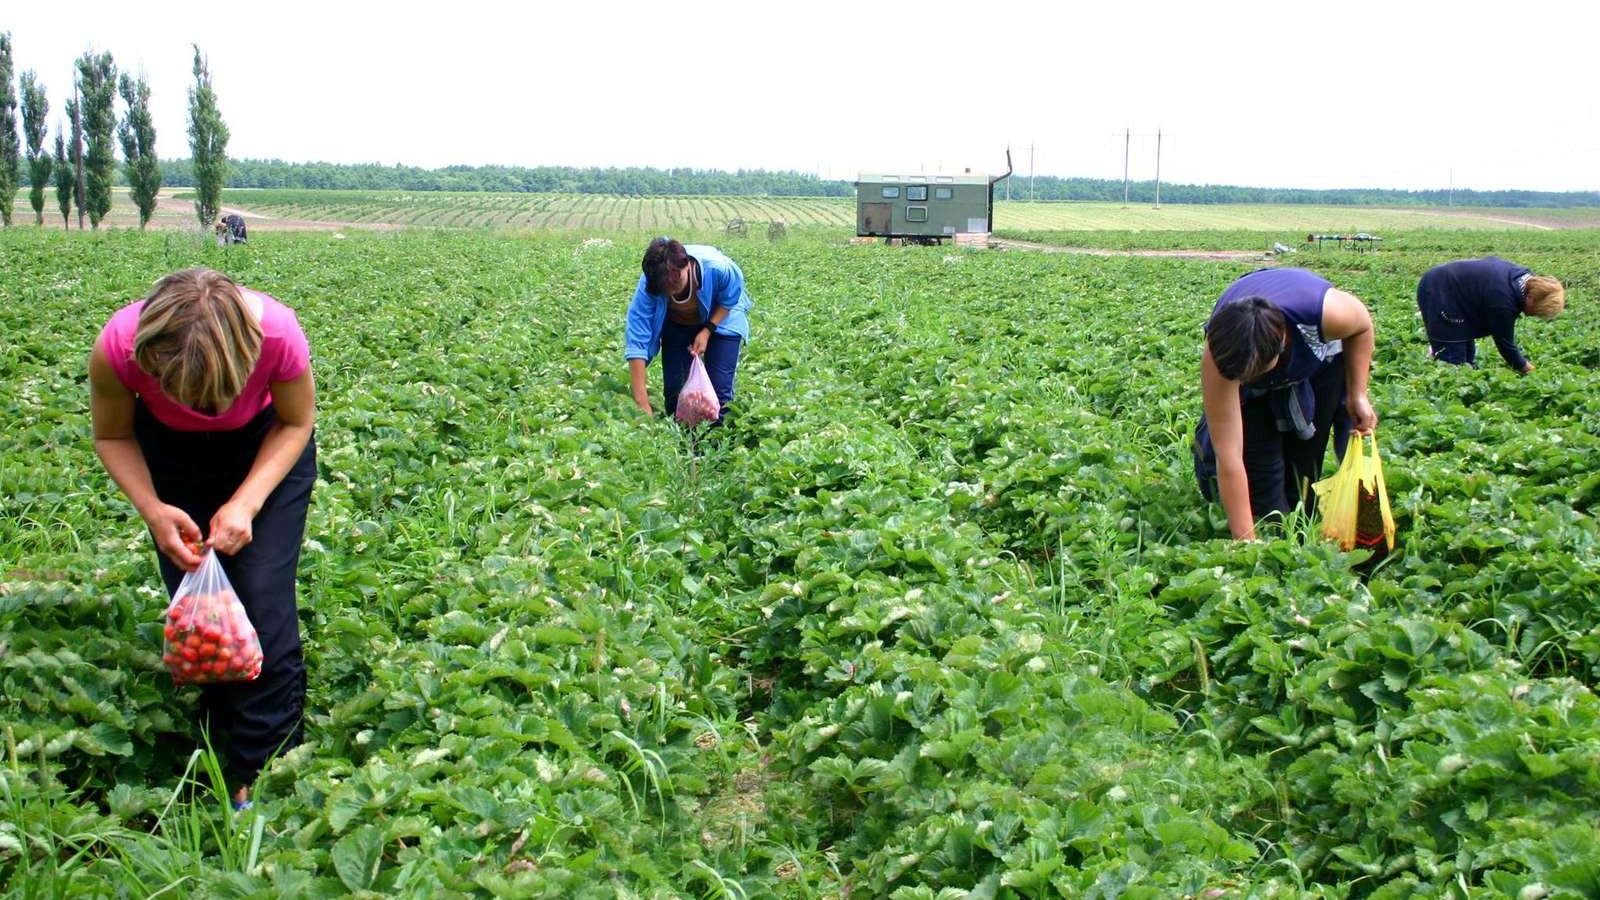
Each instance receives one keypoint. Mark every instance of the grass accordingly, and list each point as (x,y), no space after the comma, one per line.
(64,848)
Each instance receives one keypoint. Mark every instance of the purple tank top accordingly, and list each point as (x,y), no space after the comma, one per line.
(1299,293)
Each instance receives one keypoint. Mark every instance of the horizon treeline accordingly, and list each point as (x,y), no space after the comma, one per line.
(641,181)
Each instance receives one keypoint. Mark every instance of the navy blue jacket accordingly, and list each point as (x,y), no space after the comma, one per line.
(1473,298)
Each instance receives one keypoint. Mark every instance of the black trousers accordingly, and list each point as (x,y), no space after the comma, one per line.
(196,471)
(1278,464)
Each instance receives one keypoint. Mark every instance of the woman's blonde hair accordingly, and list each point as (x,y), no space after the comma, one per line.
(1545,297)
(198,338)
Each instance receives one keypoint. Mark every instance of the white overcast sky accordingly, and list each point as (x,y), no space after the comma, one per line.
(1297,93)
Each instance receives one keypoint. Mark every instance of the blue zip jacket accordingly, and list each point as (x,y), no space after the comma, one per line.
(721,284)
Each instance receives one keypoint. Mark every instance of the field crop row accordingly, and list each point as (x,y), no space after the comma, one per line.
(940,615)
(599,213)
(579,212)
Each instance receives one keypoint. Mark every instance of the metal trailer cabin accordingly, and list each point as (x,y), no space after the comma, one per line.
(925,208)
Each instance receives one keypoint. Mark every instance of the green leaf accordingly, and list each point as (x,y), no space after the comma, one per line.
(357,855)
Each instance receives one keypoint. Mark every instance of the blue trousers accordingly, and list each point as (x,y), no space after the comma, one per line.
(1445,332)
(721,360)
(198,471)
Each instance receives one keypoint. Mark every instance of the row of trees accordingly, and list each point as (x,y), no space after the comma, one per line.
(1144,192)
(84,164)
(511,179)
(756,182)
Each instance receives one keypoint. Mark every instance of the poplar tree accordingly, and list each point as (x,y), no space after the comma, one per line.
(64,180)
(75,113)
(35,109)
(8,131)
(138,134)
(208,143)
(97,81)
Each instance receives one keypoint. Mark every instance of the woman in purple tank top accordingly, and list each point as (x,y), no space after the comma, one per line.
(1285,365)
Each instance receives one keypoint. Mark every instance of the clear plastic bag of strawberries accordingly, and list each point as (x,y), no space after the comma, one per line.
(697,401)
(209,638)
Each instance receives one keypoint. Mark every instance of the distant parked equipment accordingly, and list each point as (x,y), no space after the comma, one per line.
(1360,240)
(926,209)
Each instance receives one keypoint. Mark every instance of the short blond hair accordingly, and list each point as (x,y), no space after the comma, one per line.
(1545,297)
(198,338)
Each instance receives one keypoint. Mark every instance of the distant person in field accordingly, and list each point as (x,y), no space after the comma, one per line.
(231,230)
(202,405)
(690,301)
(1468,299)
(1285,365)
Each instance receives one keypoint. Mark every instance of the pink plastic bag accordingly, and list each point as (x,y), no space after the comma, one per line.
(697,402)
(209,635)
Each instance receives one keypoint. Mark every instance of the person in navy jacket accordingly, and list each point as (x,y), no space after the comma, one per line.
(690,301)
(1468,299)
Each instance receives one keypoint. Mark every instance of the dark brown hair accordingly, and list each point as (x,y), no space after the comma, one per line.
(664,256)
(1245,337)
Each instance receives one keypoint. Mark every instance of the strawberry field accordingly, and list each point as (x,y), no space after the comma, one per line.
(278,208)
(941,615)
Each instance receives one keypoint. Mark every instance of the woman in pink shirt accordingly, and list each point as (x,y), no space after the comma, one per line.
(203,406)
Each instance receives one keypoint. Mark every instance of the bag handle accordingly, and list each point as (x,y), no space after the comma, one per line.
(1383,492)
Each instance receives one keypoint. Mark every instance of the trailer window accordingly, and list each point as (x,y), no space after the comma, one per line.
(916,214)
(943,193)
(889,193)
(917,192)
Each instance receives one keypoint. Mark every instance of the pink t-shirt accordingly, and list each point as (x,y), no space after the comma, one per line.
(284,355)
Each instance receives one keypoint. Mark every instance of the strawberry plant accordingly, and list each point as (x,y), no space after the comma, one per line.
(941,615)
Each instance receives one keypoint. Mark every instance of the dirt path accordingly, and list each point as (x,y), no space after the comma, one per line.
(245,213)
(167,203)
(1525,223)
(1219,255)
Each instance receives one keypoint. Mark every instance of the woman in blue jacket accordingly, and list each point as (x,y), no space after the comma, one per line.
(690,301)
(1468,299)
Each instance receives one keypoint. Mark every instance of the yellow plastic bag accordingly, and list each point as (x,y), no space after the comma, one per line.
(1354,503)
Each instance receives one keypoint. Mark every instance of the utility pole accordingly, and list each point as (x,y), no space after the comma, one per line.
(1158,168)
(1127,138)
(1030,172)
(1452,185)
